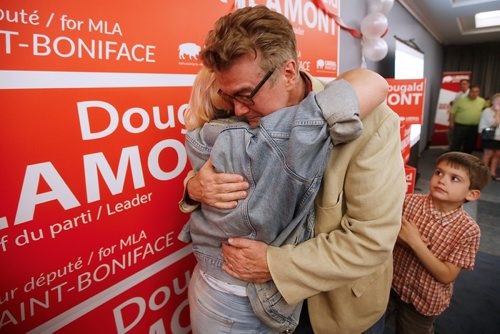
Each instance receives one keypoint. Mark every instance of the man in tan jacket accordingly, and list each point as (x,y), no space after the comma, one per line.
(345,271)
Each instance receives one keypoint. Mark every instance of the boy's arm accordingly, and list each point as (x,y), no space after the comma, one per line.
(442,271)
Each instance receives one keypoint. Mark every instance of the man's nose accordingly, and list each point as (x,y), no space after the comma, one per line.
(240,109)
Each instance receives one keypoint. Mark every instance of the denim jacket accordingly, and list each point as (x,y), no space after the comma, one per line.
(283,159)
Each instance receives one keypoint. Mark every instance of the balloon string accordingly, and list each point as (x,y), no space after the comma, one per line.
(339,21)
(336,18)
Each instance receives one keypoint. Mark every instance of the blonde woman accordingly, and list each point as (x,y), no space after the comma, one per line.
(491,118)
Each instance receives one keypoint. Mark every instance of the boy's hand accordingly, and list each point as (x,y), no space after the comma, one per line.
(409,235)
(443,271)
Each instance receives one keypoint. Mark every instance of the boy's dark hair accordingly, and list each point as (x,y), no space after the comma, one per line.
(479,174)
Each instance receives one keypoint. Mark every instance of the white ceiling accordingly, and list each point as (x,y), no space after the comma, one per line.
(452,21)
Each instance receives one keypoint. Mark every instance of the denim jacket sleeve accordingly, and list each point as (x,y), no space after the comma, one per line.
(340,106)
(199,144)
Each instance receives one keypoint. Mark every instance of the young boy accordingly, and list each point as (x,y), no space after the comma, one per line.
(437,239)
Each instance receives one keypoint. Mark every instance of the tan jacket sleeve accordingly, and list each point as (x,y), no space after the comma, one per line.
(356,225)
(184,204)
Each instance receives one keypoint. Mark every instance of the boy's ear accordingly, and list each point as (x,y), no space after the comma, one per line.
(473,195)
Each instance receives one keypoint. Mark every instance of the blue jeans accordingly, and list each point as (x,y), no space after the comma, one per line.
(377,328)
(215,312)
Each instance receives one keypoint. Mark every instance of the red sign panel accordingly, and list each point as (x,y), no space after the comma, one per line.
(404,132)
(406,98)
(152,301)
(411,175)
(90,186)
(93,157)
(151,37)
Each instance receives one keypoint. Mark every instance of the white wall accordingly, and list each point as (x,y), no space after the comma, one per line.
(402,24)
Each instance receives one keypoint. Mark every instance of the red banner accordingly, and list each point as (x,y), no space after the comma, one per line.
(58,36)
(411,176)
(152,301)
(404,132)
(93,157)
(145,38)
(94,177)
(406,97)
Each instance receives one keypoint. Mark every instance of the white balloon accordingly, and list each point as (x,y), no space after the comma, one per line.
(380,6)
(375,49)
(374,25)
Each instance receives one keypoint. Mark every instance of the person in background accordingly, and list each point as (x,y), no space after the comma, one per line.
(464,89)
(491,118)
(346,269)
(437,239)
(465,116)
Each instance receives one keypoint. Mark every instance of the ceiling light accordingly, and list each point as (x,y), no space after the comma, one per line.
(488,19)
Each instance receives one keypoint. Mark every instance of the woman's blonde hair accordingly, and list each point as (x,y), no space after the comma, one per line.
(494,97)
(204,104)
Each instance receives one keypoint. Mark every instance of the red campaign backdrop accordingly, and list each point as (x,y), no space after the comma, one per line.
(103,36)
(137,37)
(406,97)
(85,214)
(91,177)
(156,305)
